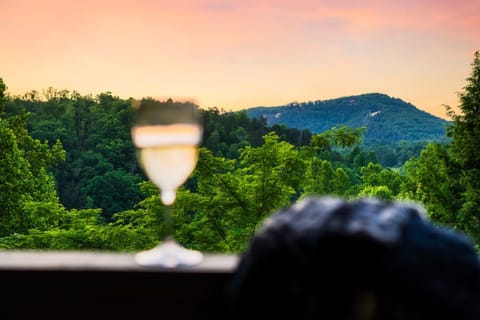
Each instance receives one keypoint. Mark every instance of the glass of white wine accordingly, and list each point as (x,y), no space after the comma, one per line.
(166,135)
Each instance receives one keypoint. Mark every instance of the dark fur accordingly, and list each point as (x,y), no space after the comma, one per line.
(327,258)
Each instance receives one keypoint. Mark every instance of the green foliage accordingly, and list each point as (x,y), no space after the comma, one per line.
(380,192)
(246,170)
(446,178)
(95,132)
(226,133)
(211,209)
(388,120)
(138,229)
(3,88)
(113,191)
(341,136)
(74,230)
(234,197)
(432,182)
(24,177)
(271,173)
(341,183)
(375,175)
(465,133)
(319,177)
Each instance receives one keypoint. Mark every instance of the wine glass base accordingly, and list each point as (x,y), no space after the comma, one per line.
(168,254)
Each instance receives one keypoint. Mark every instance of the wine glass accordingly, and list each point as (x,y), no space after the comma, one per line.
(166,135)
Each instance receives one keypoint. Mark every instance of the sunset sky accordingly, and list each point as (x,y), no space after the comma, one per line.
(236,54)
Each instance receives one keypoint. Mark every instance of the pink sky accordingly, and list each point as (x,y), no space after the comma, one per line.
(238,54)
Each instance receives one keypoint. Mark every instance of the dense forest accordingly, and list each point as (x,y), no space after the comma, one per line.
(69,178)
(388,120)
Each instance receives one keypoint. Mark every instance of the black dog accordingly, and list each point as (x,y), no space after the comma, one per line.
(326,258)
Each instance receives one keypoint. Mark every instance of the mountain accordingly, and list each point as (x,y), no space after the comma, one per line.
(387,120)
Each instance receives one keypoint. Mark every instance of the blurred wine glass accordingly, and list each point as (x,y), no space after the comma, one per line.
(167,135)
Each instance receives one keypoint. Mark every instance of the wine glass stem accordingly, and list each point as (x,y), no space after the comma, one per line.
(169,229)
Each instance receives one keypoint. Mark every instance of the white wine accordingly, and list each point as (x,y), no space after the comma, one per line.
(168,154)
(166,135)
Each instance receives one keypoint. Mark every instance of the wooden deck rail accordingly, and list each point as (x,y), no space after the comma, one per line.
(100,285)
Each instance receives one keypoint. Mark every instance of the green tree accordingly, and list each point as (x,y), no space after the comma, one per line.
(24,176)
(381,182)
(3,88)
(431,181)
(322,174)
(446,177)
(271,173)
(465,134)
(380,192)
(71,230)
(341,183)
(233,197)
(205,218)
(319,177)
(114,191)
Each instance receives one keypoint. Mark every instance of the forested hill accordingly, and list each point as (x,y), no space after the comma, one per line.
(387,120)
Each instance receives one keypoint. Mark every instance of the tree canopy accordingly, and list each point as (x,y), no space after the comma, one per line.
(69,178)
(446,177)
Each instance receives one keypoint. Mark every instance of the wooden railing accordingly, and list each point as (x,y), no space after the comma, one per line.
(99,285)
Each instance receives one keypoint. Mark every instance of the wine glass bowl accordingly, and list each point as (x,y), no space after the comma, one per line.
(166,135)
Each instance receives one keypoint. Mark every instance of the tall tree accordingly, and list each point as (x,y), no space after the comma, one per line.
(446,177)
(432,181)
(234,197)
(24,177)
(465,134)
(3,88)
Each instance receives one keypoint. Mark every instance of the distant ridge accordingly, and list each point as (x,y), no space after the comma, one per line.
(388,120)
